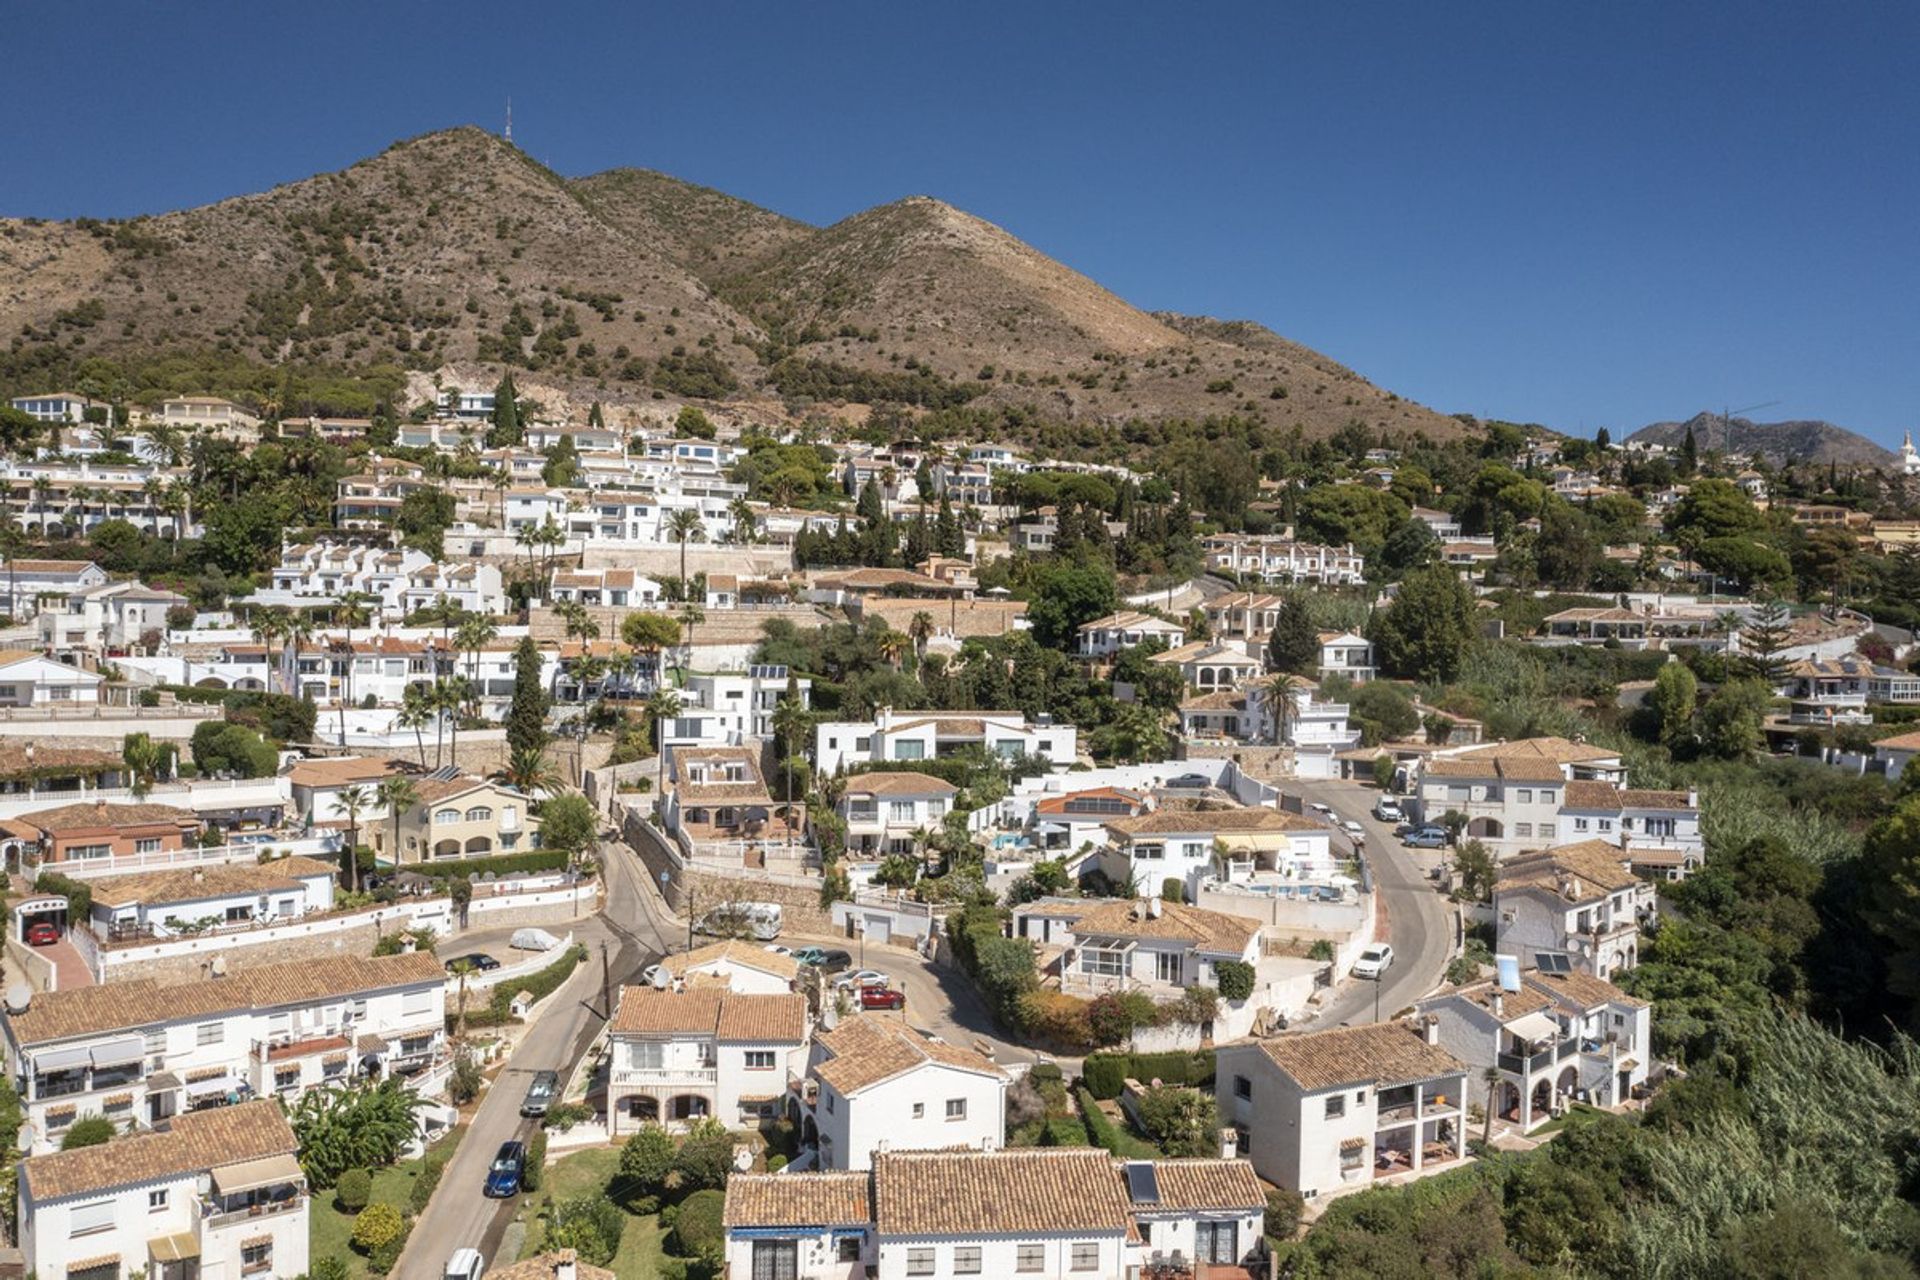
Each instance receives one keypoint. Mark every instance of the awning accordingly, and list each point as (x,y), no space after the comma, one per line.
(118,1053)
(174,1248)
(161,1080)
(272,1171)
(202,1088)
(1535,1027)
(62,1059)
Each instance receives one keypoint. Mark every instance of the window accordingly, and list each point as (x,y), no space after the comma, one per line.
(1102,962)
(1030,1257)
(1547,797)
(416,1004)
(1243,1088)
(1546,831)
(209,1033)
(1336,1105)
(156,1200)
(156,1041)
(256,1257)
(479,813)
(1350,1156)
(1523,829)
(1606,824)
(966,1260)
(776,1259)
(900,811)
(87,1219)
(919,1111)
(919,1262)
(849,1250)
(1579,824)
(646,1055)
(1086,1257)
(447,815)
(147,844)
(956,1108)
(759,1059)
(909,751)
(1524,795)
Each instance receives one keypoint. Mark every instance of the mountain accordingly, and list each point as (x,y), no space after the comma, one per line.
(454,254)
(1806,440)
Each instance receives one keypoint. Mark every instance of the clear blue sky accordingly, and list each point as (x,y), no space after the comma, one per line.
(1579,215)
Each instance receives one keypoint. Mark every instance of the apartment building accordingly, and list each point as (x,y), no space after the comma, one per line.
(1323,1110)
(875,1083)
(889,812)
(1511,793)
(1053,1214)
(1554,1037)
(1074,818)
(31,585)
(684,1054)
(143,1053)
(732,708)
(219,1194)
(1578,900)
(1197,845)
(613,588)
(318,573)
(114,618)
(1282,560)
(902,736)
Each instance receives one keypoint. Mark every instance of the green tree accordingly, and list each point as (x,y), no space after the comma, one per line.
(527,712)
(1294,643)
(1673,701)
(1731,720)
(1426,632)
(646,1159)
(506,430)
(568,822)
(1065,596)
(219,747)
(1181,1121)
(378,1225)
(1892,861)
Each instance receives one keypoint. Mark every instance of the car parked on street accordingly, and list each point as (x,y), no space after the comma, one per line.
(1388,810)
(828,959)
(1374,961)
(503,1175)
(1189,782)
(466,1264)
(479,961)
(1353,829)
(861,978)
(540,1093)
(1426,838)
(882,998)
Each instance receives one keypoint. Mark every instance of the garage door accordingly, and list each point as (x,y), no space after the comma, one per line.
(879,928)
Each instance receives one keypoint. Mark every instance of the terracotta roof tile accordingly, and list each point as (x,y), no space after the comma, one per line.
(1381,1053)
(547,1266)
(745,954)
(1205,1185)
(1592,795)
(798,1199)
(700,1010)
(1591,869)
(998,1192)
(1214,932)
(197,1141)
(898,783)
(864,1051)
(196,884)
(1165,821)
(80,817)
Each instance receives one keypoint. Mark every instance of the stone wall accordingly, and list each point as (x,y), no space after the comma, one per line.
(700,889)
(1256,761)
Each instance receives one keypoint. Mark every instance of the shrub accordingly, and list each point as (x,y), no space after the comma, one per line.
(352,1190)
(1284,1211)
(384,1259)
(591,1225)
(1044,1071)
(535,1173)
(88,1131)
(378,1224)
(1055,1018)
(1235,979)
(542,984)
(505,864)
(78,894)
(1173,889)
(1182,1121)
(328,1267)
(1112,1017)
(1104,1074)
(645,1161)
(1104,1133)
(568,1114)
(428,1180)
(776,1162)
(705,1158)
(697,1228)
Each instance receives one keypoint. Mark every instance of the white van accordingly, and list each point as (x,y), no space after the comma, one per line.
(760,921)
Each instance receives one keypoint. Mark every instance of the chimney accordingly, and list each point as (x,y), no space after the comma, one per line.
(566,1265)
(1229,1143)
(1499,1003)
(1430,1029)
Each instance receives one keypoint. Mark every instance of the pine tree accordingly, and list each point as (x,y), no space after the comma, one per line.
(952,537)
(595,418)
(527,714)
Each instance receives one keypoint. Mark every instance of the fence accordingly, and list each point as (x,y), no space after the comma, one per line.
(307,846)
(488,979)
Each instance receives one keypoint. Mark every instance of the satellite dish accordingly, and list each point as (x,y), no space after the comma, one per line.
(19,997)
(661,978)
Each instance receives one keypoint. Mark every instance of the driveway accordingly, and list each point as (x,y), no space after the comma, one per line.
(631,933)
(1418,921)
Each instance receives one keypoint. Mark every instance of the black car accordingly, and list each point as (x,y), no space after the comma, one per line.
(503,1176)
(540,1093)
(479,960)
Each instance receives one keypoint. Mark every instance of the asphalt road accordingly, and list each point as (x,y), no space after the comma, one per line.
(1418,920)
(634,929)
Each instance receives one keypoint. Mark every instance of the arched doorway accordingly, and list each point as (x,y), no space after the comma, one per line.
(1542,1099)
(1509,1104)
(479,845)
(1569,1081)
(689,1106)
(447,849)
(1485,828)
(643,1108)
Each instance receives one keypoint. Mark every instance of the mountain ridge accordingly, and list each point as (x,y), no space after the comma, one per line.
(1804,440)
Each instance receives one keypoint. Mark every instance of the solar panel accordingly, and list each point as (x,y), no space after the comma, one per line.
(445,773)
(1143,1183)
(1553,962)
(767,672)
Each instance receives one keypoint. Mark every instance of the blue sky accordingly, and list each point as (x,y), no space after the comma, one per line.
(1583,216)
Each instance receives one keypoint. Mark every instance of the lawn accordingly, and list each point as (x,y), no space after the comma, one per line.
(642,1255)
(329,1230)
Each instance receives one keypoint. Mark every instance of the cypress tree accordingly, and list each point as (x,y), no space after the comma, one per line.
(506,415)
(527,714)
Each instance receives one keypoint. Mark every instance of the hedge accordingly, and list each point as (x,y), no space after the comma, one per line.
(78,893)
(1104,1074)
(1105,1134)
(533,1175)
(542,983)
(504,864)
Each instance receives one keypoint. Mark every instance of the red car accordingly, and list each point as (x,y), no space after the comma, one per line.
(42,935)
(882,998)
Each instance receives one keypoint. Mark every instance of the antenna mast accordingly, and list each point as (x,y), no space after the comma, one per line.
(509,119)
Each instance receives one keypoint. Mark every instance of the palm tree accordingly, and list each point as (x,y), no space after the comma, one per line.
(299,630)
(663,706)
(527,538)
(178,503)
(453,694)
(351,612)
(1282,692)
(415,710)
(790,720)
(353,802)
(144,759)
(552,538)
(42,490)
(920,630)
(691,615)
(682,525)
(892,646)
(270,626)
(461,969)
(743,519)
(475,633)
(528,771)
(1492,1077)
(397,792)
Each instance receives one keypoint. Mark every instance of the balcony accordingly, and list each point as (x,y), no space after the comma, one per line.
(672,1077)
(1522,1064)
(213,1216)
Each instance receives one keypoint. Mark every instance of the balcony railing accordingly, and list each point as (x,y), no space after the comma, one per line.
(693,1076)
(213,1216)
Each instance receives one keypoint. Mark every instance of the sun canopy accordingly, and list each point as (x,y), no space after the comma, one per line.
(62,1059)
(1535,1027)
(272,1171)
(117,1053)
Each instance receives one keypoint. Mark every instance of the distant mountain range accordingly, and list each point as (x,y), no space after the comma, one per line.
(456,251)
(1808,440)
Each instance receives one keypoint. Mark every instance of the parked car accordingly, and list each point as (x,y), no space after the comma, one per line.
(777,949)
(1387,810)
(657,976)
(1354,829)
(503,1176)
(1324,810)
(829,959)
(1189,782)
(466,1264)
(1374,961)
(882,998)
(42,935)
(1426,838)
(540,1093)
(477,960)
(863,978)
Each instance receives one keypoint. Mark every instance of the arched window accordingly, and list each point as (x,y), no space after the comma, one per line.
(479,813)
(447,815)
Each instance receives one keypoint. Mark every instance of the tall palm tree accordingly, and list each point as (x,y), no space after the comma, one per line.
(351,612)
(527,538)
(691,616)
(892,646)
(453,694)
(299,631)
(416,710)
(353,802)
(475,633)
(42,491)
(269,628)
(1492,1078)
(1281,693)
(398,793)
(684,525)
(178,503)
(663,706)
(920,630)
(791,719)
(528,771)
(552,538)
(744,519)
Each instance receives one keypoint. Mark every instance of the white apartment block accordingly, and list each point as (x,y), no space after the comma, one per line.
(1104,637)
(1577,900)
(58,497)
(1282,560)
(932,735)
(885,811)
(1347,654)
(113,618)
(1207,664)
(142,1053)
(32,585)
(220,1194)
(212,415)
(1059,1214)
(614,588)
(1511,793)
(876,1083)
(679,1055)
(1323,1110)
(398,579)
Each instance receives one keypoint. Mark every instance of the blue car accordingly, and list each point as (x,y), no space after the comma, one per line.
(503,1178)
(1426,838)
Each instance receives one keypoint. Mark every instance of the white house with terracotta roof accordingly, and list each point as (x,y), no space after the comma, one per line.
(31,584)
(29,680)
(1284,561)
(1511,793)
(875,1083)
(905,736)
(743,967)
(1194,846)
(1320,1111)
(612,588)
(221,1193)
(1151,946)
(884,809)
(1347,654)
(142,1052)
(316,786)
(1554,1039)
(186,900)
(1210,664)
(1892,755)
(680,1054)
(1062,1213)
(1104,637)
(1070,819)
(1579,900)
(718,802)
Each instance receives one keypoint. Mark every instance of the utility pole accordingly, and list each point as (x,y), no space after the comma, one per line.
(1726,422)
(606,982)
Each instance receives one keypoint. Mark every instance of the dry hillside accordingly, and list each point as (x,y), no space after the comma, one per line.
(454,252)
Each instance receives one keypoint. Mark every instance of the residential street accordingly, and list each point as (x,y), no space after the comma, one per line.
(634,929)
(1419,921)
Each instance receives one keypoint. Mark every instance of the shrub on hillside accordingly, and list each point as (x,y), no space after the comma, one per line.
(352,1191)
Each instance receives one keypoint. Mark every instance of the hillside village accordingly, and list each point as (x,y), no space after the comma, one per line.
(648,825)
